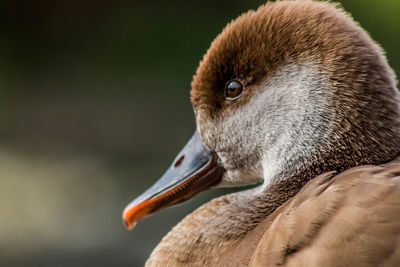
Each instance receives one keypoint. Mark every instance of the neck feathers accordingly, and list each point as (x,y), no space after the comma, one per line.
(216,228)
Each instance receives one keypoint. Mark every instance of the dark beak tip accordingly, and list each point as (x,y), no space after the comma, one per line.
(127,219)
(129,225)
(194,170)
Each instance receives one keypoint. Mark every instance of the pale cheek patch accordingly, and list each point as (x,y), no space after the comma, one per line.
(285,121)
(270,167)
(299,120)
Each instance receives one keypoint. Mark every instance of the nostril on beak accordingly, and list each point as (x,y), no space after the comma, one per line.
(179,161)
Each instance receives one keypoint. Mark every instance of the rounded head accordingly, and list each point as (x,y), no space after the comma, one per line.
(318,94)
(286,92)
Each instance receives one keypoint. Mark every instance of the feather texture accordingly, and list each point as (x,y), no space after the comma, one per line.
(320,100)
(350,220)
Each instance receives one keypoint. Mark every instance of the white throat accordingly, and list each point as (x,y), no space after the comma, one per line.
(281,126)
(300,117)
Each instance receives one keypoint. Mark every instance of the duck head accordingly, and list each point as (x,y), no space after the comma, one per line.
(288,91)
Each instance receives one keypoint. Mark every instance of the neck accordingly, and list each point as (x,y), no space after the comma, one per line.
(221,224)
(234,223)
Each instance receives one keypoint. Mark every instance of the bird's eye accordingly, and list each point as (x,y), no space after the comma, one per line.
(233,90)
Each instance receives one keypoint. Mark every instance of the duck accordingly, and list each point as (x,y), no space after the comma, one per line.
(296,99)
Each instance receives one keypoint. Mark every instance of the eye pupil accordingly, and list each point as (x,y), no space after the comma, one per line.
(233,89)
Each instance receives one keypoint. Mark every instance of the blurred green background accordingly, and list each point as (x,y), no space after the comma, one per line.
(94,105)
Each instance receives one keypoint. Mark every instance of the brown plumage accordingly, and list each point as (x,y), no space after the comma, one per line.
(319,100)
(259,43)
(349,219)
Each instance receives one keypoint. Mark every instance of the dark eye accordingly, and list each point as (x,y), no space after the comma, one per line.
(233,90)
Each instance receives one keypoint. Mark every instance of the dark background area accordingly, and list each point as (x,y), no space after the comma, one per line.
(94,106)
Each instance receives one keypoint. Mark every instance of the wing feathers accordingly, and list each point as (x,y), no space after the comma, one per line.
(350,220)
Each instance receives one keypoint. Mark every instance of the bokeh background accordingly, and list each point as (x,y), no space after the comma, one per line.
(94,105)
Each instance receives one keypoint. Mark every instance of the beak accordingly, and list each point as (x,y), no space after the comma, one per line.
(194,169)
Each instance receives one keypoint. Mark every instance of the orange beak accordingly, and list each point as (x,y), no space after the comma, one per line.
(195,169)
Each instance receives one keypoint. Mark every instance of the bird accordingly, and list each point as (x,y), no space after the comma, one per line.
(297,99)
